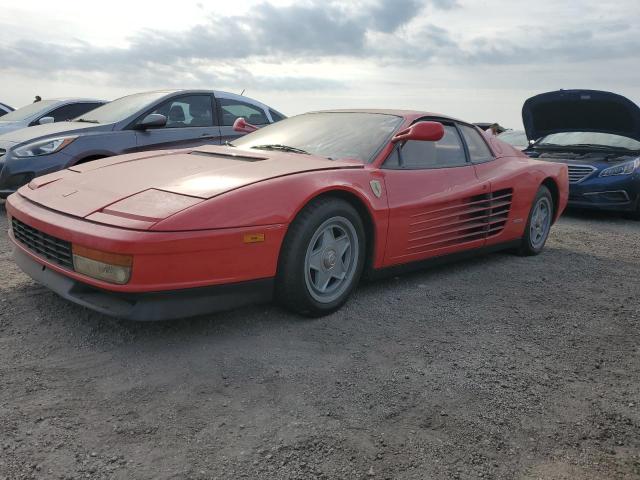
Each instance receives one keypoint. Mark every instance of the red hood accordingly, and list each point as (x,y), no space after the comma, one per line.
(199,174)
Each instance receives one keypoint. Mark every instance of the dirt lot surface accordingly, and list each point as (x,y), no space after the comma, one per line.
(498,367)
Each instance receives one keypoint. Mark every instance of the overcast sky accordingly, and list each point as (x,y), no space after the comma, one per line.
(474,60)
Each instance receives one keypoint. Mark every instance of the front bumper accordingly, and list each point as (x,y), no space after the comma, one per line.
(618,193)
(148,306)
(181,273)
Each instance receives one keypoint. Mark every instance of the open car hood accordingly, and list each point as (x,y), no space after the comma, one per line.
(147,187)
(580,111)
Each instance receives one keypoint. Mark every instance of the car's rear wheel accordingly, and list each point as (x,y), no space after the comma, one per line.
(322,258)
(538,223)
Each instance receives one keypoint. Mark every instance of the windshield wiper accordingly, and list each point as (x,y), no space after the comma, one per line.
(582,146)
(602,147)
(280,147)
(84,120)
(229,144)
(552,145)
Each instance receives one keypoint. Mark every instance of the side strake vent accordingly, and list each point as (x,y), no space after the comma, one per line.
(240,158)
(469,219)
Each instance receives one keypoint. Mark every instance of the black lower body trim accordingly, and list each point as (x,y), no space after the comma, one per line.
(152,306)
(441,260)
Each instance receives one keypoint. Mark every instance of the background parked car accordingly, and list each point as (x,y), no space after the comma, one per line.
(143,121)
(485,126)
(4,109)
(47,111)
(597,134)
(515,138)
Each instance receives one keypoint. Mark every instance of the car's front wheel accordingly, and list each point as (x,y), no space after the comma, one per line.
(322,258)
(538,223)
(635,215)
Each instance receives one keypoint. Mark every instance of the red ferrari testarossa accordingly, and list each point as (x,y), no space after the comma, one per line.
(299,210)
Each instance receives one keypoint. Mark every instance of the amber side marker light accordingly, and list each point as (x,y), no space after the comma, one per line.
(253,237)
(109,267)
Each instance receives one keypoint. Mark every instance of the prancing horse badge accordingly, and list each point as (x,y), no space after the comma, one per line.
(376,188)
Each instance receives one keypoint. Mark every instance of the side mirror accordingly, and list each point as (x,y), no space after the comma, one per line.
(241,125)
(45,120)
(422,132)
(153,120)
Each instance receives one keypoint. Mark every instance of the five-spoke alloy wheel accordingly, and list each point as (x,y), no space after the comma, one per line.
(329,264)
(322,257)
(538,224)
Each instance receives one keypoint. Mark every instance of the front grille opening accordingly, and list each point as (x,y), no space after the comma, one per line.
(619,196)
(46,246)
(578,173)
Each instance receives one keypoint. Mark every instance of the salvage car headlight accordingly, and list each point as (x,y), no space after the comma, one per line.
(43,147)
(109,267)
(623,169)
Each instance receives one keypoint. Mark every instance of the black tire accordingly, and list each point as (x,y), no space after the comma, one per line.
(635,215)
(531,246)
(294,284)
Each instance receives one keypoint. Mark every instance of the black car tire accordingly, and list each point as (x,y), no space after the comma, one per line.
(531,244)
(312,251)
(635,215)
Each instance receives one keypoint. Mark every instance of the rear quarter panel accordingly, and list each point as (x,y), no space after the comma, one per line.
(525,176)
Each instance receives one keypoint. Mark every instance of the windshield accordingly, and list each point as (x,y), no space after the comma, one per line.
(121,108)
(29,111)
(515,138)
(327,134)
(607,140)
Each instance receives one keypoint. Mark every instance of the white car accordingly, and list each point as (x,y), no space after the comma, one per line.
(4,109)
(47,111)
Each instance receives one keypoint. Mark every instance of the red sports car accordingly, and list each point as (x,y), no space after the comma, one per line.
(301,209)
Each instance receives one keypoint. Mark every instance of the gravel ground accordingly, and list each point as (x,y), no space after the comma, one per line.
(498,367)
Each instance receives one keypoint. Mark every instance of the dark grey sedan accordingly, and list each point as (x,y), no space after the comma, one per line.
(144,121)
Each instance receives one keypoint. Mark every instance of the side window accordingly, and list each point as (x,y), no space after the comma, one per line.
(67,112)
(233,109)
(86,107)
(448,152)
(393,160)
(276,116)
(189,111)
(478,150)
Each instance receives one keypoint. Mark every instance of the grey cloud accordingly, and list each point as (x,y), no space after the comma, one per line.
(308,30)
(574,43)
(383,31)
(445,4)
(389,16)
